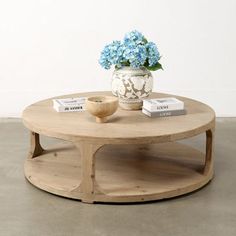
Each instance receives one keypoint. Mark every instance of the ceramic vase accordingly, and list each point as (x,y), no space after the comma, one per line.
(131,85)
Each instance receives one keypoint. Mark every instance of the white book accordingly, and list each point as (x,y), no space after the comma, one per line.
(163,104)
(69,104)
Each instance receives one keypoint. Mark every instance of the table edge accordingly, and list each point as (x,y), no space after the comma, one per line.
(122,140)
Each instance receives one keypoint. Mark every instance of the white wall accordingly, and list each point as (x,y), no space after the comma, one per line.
(51,47)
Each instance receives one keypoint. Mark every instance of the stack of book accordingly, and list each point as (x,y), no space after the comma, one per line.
(161,107)
(69,104)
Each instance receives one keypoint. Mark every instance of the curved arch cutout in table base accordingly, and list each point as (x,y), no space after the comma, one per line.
(124,173)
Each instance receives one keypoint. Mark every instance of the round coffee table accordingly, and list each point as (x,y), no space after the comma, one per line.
(132,158)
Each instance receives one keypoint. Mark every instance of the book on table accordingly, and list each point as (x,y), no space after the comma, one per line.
(164,113)
(69,104)
(161,107)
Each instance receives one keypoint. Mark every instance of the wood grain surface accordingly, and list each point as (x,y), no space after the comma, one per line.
(119,161)
(124,173)
(124,126)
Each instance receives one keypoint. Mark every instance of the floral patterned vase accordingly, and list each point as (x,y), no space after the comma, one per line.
(131,85)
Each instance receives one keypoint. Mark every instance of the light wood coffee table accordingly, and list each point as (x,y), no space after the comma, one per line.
(132,158)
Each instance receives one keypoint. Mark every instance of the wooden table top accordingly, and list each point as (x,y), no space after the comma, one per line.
(130,126)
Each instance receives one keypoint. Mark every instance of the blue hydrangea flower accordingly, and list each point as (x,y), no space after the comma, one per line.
(104,58)
(135,55)
(152,53)
(134,37)
(134,51)
(112,54)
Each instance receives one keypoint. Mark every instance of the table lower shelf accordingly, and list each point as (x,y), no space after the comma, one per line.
(124,173)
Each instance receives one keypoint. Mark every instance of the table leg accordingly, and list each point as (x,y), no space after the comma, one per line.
(88,182)
(209,148)
(35,146)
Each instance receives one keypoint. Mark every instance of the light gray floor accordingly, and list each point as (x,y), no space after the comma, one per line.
(26,210)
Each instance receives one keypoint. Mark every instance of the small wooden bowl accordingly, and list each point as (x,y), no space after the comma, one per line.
(102,107)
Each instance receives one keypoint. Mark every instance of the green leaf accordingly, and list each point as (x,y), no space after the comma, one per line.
(146,63)
(155,67)
(125,63)
(145,41)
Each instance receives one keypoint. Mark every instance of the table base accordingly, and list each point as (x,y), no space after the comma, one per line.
(124,173)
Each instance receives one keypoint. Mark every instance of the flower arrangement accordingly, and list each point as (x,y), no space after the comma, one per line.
(134,51)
